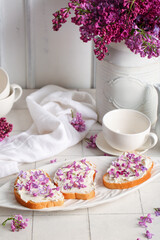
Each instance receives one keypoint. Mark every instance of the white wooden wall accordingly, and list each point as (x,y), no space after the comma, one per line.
(34,55)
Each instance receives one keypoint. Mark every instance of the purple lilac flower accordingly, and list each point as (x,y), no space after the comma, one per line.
(5,128)
(148,218)
(17,223)
(146,44)
(53,161)
(144,220)
(143,168)
(157,211)
(91,141)
(142,224)
(78,123)
(135,22)
(148,235)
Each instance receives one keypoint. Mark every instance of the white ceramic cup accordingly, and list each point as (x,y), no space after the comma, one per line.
(7,103)
(127,130)
(4,84)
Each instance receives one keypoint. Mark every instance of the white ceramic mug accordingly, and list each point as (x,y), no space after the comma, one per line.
(7,103)
(127,130)
(4,84)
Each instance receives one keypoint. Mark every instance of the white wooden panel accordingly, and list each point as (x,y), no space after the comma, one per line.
(60,57)
(34,55)
(30,57)
(13,40)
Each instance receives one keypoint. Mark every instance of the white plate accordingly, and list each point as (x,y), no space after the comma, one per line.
(103,194)
(105,147)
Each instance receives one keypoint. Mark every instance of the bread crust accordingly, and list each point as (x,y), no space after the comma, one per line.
(34,205)
(128,184)
(83,196)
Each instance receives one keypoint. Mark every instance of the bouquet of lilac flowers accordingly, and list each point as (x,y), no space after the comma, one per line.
(136,22)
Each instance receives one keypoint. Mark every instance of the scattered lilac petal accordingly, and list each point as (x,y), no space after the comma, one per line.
(157,211)
(91,141)
(148,235)
(53,161)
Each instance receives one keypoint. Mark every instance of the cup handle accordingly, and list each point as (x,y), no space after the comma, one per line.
(153,140)
(18,91)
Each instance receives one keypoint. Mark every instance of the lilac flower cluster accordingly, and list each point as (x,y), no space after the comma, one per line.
(126,166)
(37,183)
(74,174)
(136,22)
(5,128)
(17,223)
(78,123)
(91,141)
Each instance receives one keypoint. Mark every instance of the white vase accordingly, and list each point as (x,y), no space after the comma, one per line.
(126,80)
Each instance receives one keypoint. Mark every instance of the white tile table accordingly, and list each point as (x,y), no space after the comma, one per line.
(113,221)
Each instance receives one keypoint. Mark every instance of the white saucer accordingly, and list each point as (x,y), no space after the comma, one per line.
(105,147)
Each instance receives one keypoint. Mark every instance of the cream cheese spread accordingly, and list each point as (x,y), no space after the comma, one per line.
(128,167)
(76,177)
(35,186)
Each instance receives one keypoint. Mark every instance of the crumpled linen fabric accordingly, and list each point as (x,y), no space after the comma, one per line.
(51,132)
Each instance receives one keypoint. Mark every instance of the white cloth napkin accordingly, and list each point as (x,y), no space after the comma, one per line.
(51,131)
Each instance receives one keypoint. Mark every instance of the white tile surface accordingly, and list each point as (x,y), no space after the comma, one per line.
(115,227)
(61,227)
(150,197)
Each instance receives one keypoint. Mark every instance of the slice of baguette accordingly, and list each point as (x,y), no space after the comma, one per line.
(128,170)
(76,180)
(34,189)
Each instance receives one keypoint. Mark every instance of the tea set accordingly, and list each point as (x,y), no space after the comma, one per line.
(125,130)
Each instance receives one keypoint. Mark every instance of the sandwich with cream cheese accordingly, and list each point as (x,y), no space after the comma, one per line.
(76,180)
(128,170)
(34,189)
